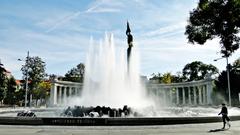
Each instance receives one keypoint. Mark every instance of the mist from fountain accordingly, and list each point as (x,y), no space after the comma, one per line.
(108,81)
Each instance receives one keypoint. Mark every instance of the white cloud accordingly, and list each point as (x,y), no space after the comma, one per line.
(63,21)
(99,6)
(166,30)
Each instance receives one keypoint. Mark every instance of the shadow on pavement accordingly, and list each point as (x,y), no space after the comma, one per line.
(216,130)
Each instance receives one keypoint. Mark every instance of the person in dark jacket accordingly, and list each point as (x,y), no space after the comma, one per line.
(225,118)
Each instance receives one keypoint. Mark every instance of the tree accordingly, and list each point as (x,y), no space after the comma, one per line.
(3,80)
(42,91)
(167,77)
(35,69)
(76,74)
(197,71)
(215,18)
(10,96)
(19,94)
(177,78)
(236,66)
(222,85)
(157,77)
(52,77)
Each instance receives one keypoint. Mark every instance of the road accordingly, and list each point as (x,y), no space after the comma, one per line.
(187,129)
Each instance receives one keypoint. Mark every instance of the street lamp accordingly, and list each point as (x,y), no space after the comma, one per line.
(26,91)
(228,79)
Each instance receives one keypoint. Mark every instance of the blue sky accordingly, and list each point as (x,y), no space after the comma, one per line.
(58,31)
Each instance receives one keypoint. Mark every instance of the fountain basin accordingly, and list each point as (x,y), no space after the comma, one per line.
(66,121)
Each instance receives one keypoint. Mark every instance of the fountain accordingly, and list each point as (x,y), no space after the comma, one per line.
(110,78)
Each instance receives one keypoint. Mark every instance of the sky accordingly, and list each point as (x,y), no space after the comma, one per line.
(59,32)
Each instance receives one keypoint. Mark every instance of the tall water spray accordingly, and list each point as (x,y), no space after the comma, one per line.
(108,81)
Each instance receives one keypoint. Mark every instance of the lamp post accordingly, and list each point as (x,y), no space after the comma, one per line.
(26,91)
(228,80)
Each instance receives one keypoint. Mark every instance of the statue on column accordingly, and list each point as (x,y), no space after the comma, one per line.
(130,43)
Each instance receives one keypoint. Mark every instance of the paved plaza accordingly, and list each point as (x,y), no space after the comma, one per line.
(188,129)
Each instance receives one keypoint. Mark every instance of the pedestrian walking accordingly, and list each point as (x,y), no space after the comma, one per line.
(225,118)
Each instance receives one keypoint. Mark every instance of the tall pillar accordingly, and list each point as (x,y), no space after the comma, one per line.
(204,94)
(189,95)
(209,91)
(70,91)
(64,95)
(183,94)
(75,91)
(170,96)
(79,91)
(164,96)
(200,95)
(60,95)
(160,95)
(53,95)
(195,95)
(177,95)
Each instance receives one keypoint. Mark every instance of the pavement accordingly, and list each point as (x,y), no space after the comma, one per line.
(184,129)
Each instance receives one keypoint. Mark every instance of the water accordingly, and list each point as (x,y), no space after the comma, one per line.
(148,112)
(108,81)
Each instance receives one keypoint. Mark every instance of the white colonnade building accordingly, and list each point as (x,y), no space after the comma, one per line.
(183,94)
(61,91)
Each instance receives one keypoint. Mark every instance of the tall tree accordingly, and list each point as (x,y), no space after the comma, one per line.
(10,96)
(35,69)
(197,71)
(76,74)
(42,91)
(222,83)
(216,18)
(3,81)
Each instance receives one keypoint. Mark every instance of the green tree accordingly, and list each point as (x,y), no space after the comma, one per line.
(222,83)
(236,66)
(76,74)
(35,69)
(3,82)
(197,71)
(167,78)
(157,77)
(19,94)
(43,89)
(216,18)
(177,78)
(10,96)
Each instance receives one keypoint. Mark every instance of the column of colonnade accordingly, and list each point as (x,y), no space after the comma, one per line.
(189,94)
(60,93)
(193,95)
(186,93)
